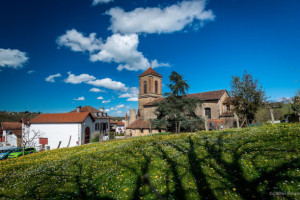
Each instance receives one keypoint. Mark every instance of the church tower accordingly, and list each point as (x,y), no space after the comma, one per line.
(150,88)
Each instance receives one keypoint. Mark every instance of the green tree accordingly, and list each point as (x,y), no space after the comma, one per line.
(248,96)
(177,111)
(296,104)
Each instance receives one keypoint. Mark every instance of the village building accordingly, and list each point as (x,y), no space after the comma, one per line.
(11,132)
(117,126)
(216,106)
(70,129)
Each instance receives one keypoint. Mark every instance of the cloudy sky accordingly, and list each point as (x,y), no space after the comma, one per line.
(58,54)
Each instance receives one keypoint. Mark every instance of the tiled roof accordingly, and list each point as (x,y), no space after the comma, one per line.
(112,122)
(138,124)
(150,71)
(91,110)
(61,118)
(87,109)
(228,100)
(120,123)
(227,114)
(217,122)
(206,96)
(11,125)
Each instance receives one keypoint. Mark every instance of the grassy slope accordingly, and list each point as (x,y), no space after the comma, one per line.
(233,164)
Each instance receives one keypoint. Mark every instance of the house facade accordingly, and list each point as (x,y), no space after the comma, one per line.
(216,106)
(11,134)
(69,129)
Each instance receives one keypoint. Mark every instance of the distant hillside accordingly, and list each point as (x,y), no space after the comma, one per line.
(13,117)
(117,118)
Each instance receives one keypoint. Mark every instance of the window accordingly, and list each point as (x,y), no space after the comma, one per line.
(97,127)
(227,107)
(142,130)
(208,113)
(156,87)
(145,87)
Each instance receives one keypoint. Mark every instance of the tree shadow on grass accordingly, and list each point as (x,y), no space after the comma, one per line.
(248,189)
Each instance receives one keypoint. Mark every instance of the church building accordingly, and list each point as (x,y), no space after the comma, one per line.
(216,106)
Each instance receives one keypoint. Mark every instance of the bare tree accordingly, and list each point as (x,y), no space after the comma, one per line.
(29,138)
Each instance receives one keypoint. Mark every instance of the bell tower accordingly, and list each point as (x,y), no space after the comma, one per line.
(150,88)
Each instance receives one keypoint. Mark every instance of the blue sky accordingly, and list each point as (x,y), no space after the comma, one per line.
(58,54)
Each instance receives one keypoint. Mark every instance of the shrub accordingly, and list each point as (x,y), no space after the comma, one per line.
(95,137)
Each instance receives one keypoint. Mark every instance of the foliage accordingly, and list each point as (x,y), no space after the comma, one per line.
(176,111)
(247,96)
(95,136)
(6,117)
(234,164)
(263,115)
(296,103)
(177,85)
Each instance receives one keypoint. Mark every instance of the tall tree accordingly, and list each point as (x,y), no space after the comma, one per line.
(248,96)
(296,104)
(177,111)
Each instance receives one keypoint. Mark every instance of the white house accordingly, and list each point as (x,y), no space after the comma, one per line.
(118,126)
(10,134)
(69,129)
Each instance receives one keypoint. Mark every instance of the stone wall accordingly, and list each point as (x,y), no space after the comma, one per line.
(140,132)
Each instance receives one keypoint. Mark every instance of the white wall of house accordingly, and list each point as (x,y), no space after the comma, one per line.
(10,139)
(58,132)
(120,129)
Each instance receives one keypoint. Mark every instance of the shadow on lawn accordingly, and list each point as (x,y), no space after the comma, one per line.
(232,172)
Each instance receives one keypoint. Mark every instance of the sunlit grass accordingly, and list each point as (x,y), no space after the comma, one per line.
(253,163)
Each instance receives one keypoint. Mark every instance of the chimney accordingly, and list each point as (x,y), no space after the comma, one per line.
(78,109)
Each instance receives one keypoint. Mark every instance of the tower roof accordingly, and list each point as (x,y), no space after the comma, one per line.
(150,71)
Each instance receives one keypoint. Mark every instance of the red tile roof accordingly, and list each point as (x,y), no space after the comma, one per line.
(150,71)
(11,125)
(138,124)
(87,109)
(91,110)
(228,100)
(206,96)
(118,123)
(217,122)
(61,118)
(227,114)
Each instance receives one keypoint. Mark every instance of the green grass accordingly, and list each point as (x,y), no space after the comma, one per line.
(249,163)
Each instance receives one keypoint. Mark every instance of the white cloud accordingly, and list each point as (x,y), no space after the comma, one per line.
(76,41)
(106,101)
(122,49)
(157,20)
(79,79)
(89,79)
(132,95)
(107,110)
(96,2)
(80,99)
(133,99)
(51,78)
(109,84)
(100,98)
(12,58)
(30,72)
(96,90)
(119,106)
